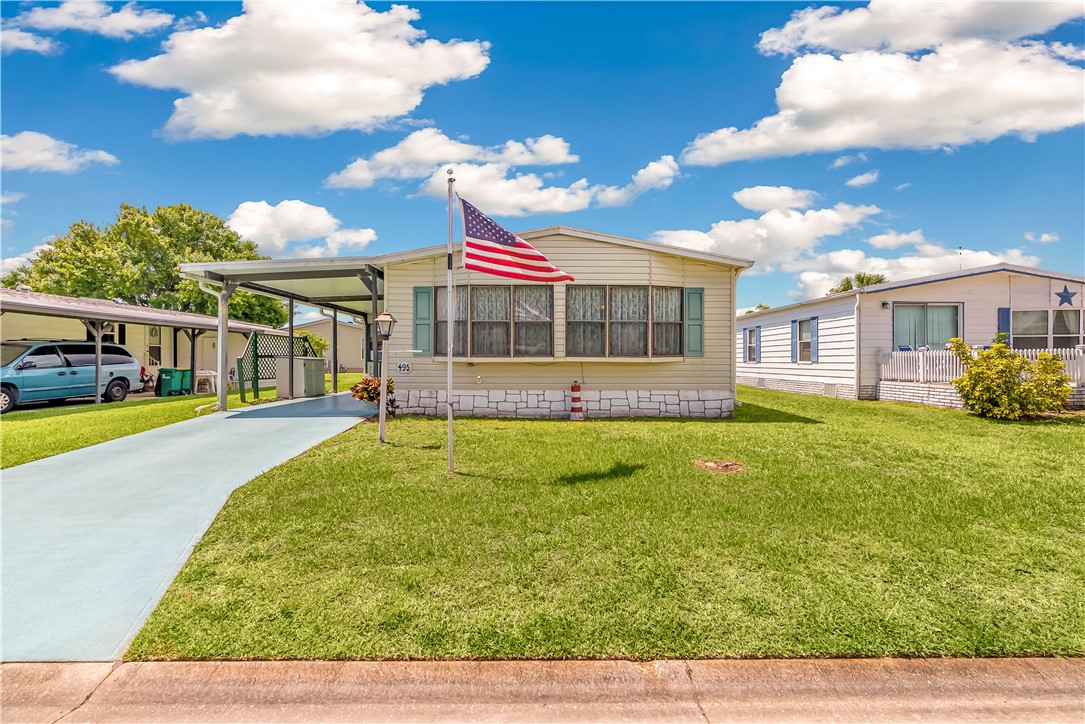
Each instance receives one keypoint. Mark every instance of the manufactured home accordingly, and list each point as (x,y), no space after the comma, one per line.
(351,338)
(888,341)
(645,329)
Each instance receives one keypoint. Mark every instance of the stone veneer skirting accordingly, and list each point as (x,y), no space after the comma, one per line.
(556,403)
(923,393)
(806,387)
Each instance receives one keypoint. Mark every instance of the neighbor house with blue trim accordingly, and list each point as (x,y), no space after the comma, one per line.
(888,341)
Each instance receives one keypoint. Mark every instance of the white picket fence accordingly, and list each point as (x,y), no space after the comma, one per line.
(940,365)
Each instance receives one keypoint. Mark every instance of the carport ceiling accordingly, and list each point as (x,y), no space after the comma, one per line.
(340,284)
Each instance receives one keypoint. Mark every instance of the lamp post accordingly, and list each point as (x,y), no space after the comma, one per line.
(385,324)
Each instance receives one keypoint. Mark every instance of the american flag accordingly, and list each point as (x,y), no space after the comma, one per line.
(491,248)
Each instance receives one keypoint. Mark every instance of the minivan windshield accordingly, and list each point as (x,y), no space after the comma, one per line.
(9,352)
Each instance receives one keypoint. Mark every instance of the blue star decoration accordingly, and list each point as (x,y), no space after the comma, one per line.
(1066,296)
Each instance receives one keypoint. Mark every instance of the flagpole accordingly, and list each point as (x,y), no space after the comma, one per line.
(451,321)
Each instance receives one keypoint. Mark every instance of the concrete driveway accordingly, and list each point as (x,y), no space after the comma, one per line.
(92,538)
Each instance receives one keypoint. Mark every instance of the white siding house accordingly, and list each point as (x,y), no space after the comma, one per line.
(846,344)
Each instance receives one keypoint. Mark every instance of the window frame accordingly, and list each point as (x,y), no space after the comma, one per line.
(926,337)
(647,321)
(808,342)
(750,351)
(1049,336)
(469,322)
(680,323)
(650,322)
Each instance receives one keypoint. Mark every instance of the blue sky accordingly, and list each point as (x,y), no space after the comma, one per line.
(815,139)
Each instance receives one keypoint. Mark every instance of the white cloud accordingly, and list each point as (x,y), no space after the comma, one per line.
(892,240)
(901,26)
(12,263)
(292,223)
(487,174)
(845,160)
(1045,238)
(302,68)
(863,179)
(822,272)
(901,187)
(766,198)
(33,151)
(191,22)
(426,150)
(12,39)
(656,175)
(964,92)
(779,238)
(7,199)
(95,16)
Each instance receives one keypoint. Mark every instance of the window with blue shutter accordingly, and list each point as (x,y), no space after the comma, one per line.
(694,322)
(423,320)
(1003,320)
(794,340)
(813,339)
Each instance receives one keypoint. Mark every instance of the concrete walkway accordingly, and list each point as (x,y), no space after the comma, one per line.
(838,690)
(92,538)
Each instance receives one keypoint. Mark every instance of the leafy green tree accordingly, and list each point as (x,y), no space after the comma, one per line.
(319,344)
(758,308)
(135,259)
(861,279)
(1000,383)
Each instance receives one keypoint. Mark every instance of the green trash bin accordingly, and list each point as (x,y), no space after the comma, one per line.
(172,382)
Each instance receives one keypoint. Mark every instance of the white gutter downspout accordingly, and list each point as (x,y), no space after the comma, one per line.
(223,296)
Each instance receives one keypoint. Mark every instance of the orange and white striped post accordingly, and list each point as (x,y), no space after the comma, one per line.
(576,409)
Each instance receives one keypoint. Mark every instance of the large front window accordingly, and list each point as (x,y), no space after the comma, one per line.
(925,325)
(1045,329)
(497,321)
(623,321)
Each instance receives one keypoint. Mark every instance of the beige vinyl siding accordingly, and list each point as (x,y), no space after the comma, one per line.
(836,344)
(591,263)
(350,342)
(981,297)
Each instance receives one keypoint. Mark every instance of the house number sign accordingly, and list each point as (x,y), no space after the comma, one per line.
(403,368)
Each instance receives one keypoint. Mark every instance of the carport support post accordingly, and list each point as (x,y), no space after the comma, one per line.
(290,351)
(228,288)
(335,351)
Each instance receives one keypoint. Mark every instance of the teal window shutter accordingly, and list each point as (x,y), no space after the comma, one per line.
(813,339)
(794,340)
(694,326)
(423,320)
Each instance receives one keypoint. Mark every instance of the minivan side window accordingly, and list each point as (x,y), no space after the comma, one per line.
(78,355)
(114,355)
(82,355)
(44,358)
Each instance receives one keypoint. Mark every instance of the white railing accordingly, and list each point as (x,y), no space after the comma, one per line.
(940,365)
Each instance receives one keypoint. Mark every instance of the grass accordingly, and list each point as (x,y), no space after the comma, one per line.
(858,529)
(40,432)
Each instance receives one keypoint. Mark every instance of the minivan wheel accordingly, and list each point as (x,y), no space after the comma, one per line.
(9,398)
(116,391)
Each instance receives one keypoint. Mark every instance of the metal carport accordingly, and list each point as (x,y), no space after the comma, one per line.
(97,314)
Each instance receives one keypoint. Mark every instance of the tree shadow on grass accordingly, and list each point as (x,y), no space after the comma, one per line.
(757,413)
(617,470)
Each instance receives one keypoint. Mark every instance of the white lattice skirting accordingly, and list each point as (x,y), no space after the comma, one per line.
(556,403)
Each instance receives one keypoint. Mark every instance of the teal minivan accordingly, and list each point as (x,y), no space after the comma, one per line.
(33,370)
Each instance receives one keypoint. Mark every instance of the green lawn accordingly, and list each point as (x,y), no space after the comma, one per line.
(858,529)
(40,432)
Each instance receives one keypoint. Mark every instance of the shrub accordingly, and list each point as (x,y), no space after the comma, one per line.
(369,390)
(1000,383)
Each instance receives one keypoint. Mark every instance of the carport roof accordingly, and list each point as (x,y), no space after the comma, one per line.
(54,305)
